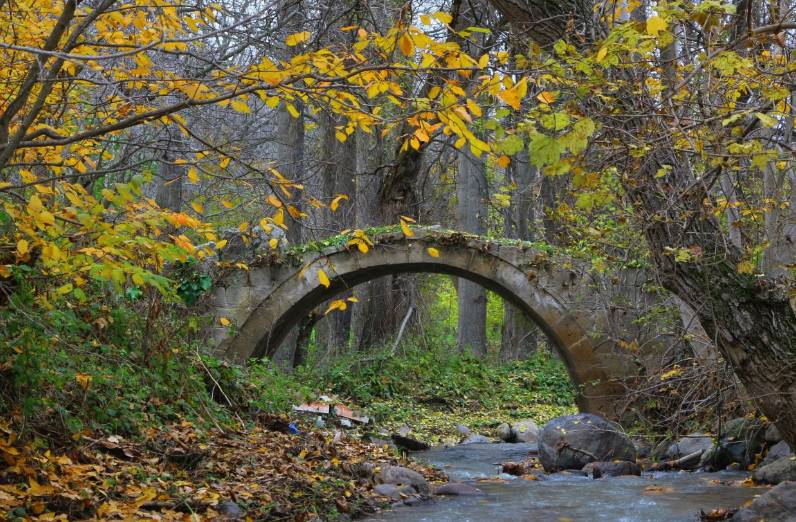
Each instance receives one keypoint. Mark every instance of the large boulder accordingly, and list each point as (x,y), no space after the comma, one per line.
(400,476)
(778,471)
(776,505)
(572,441)
(777,451)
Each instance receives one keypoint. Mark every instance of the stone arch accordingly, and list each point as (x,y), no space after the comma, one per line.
(286,294)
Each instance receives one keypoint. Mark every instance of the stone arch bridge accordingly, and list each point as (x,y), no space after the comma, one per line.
(281,288)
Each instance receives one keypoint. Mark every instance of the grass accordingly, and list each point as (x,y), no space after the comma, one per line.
(432,391)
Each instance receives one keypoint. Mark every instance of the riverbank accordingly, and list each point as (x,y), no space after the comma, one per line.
(270,471)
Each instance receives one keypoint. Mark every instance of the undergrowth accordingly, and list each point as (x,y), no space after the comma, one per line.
(102,366)
(433,390)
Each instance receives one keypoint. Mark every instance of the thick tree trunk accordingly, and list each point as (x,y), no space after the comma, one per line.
(471,217)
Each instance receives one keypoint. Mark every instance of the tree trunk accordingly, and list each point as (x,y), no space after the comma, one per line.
(290,160)
(471,217)
(338,171)
(519,335)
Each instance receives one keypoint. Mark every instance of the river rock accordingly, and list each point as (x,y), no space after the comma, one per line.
(572,441)
(611,469)
(476,439)
(457,489)
(505,433)
(400,476)
(463,430)
(772,434)
(776,472)
(741,439)
(525,431)
(776,505)
(229,510)
(392,491)
(690,444)
(777,451)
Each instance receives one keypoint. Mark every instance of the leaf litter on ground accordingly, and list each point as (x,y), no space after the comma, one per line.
(181,473)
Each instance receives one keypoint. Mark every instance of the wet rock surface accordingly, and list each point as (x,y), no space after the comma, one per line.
(572,441)
(777,505)
(778,471)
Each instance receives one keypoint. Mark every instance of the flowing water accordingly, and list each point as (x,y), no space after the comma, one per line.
(560,497)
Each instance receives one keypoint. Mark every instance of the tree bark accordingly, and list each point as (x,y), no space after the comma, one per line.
(519,335)
(471,217)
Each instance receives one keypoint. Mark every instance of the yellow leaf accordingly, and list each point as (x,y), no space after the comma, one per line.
(265,226)
(353,299)
(274,201)
(5,271)
(474,107)
(433,252)
(546,97)
(504,161)
(655,25)
(511,98)
(224,321)
(408,219)
(297,38)
(406,45)
(227,203)
(34,205)
(273,243)
(323,278)
(193,176)
(279,218)
(337,304)
(83,379)
(243,226)
(197,207)
(224,163)
(22,247)
(406,230)
(601,54)
(241,106)
(445,18)
(335,204)
(292,110)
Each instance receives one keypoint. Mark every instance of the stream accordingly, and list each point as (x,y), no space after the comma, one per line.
(560,497)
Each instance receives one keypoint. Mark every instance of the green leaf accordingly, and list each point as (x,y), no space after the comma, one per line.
(545,150)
